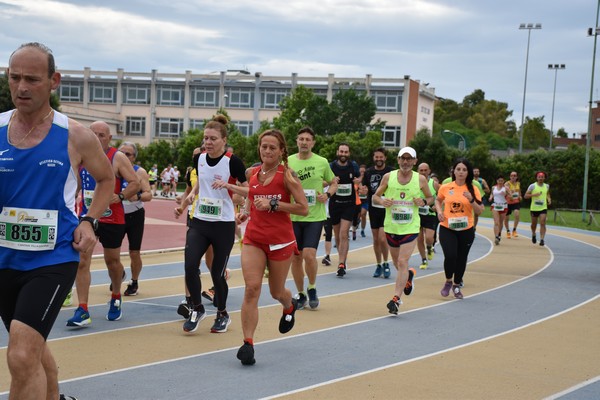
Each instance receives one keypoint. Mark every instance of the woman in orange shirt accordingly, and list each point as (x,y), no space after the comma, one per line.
(455,204)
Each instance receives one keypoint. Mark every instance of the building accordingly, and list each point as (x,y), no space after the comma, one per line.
(142,107)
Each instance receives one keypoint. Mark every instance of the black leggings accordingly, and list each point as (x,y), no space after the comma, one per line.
(200,235)
(456,246)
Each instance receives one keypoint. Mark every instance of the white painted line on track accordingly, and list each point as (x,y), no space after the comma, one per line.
(573,388)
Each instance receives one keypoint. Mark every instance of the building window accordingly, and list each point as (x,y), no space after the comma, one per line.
(197,124)
(135,126)
(239,98)
(202,97)
(169,127)
(425,110)
(170,96)
(271,98)
(391,136)
(388,101)
(102,93)
(136,94)
(598,120)
(596,138)
(245,127)
(71,91)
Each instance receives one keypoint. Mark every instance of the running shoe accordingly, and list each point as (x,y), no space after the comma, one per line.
(533,239)
(184,309)
(326,260)
(423,264)
(353,235)
(446,289)
(286,323)
(386,270)
(80,318)
(508,234)
(301,300)
(209,294)
(542,243)
(394,305)
(221,323)
(246,354)
(341,271)
(430,253)
(65,397)
(515,234)
(408,289)
(132,289)
(457,293)
(497,240)
(378,271)
(122,279)
(69,299)
(114,310)
(196,315)
(313,299)
(362,233)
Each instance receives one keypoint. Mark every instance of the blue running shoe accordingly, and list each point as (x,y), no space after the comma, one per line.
(386,270)
(80,318)
(378,271)
(114,310)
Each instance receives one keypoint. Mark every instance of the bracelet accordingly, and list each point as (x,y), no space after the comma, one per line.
(328,195)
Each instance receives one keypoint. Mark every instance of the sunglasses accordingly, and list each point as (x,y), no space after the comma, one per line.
(128,154)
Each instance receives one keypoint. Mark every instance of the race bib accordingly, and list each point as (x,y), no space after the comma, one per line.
(88,196)
(499,207)
(344,190)
(515,195)
(424,210)
(402,212)
(458,223)
(538,202)
(28,229)
(311,196)
(210,208)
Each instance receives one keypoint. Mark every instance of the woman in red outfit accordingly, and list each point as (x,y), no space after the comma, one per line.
(269,238)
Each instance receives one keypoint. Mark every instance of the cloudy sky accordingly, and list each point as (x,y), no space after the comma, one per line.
(456,46)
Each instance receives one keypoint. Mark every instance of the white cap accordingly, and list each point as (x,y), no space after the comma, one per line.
(408,150)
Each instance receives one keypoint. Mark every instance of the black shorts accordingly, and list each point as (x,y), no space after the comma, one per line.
(429,221)
(134,228)
(308,234)
(538,213)
(376,217)
(35,297)
(111,235)
(511,207)
(340,211)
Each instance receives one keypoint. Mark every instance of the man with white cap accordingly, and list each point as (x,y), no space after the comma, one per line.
(401,193)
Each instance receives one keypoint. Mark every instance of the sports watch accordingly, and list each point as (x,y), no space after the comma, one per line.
(92,221)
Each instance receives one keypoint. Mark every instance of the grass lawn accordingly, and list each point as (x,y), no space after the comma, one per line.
(571,219)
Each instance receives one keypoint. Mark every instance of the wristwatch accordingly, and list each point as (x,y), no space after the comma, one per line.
(92,221)
(121,196)
(274,204)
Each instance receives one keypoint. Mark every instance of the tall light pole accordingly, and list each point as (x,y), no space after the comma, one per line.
(462,144)
(529,27)
(588,137)
(555,67)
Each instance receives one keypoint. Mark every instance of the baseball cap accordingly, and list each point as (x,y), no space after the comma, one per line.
(408,150)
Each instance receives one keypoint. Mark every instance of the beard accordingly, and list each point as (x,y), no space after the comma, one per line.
(379,163)
(342,159)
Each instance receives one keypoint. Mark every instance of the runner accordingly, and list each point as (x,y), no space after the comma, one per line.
(539,193)
(514,204)
(269,237)
(456,202)
(312,170)
(429,220)
(498,199)
(370,183)
(400,192)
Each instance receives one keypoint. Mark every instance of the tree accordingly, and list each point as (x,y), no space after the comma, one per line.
(561,133)
(6,101)
(535,134)
(354,111)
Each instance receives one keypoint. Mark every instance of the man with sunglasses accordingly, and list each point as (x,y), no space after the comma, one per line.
(135,216)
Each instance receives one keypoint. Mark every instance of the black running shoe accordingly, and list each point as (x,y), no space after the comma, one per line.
(542,243)
(286,323)
(209,294)
(409,283)
(341,271)
(394,305)
(132,289)
(184,309)
(196,315)
(326,260)
(246,354)
(313,299)
(533,239)
(301,300)
(64,397)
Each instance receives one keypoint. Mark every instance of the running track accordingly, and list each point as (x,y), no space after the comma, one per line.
(528,328)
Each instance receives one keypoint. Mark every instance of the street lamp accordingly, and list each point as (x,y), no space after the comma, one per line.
(529,27)
(588,137)
(555,67)
(462,144)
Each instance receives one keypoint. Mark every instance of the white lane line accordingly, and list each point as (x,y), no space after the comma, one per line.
(572,389)
(432,354)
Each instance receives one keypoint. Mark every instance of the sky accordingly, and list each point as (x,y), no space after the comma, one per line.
(456,46)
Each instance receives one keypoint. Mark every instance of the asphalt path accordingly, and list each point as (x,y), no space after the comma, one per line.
(528,328)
